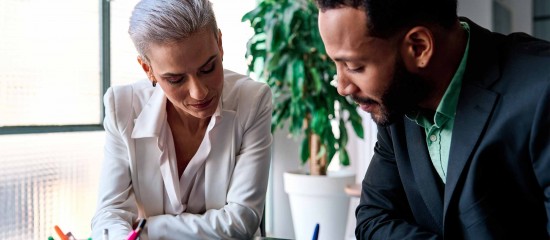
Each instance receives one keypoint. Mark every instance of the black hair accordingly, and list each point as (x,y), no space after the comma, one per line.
(386,18)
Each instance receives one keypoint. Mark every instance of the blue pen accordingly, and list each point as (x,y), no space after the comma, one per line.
(316,232)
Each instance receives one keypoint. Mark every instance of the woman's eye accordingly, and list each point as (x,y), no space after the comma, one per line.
(175,80)
(209,68)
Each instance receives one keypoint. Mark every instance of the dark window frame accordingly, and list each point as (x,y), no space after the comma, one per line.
(105,83)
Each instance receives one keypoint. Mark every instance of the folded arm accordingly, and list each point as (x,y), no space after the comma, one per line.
(240,217)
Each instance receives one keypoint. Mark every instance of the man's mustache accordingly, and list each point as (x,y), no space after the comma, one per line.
(364,100)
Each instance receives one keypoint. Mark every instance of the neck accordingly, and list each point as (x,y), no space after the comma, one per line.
(185,120)
(445,62)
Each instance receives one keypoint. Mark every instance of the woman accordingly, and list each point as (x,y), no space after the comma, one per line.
(189,150)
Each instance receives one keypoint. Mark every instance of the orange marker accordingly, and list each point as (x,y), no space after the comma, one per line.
(60,233)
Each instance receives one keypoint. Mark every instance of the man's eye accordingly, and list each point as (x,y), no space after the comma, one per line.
(355,69)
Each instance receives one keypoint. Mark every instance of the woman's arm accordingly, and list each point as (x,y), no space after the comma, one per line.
(116,207)
(241,216)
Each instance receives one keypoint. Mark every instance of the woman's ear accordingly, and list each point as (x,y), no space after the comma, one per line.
(417,48)
(146,68)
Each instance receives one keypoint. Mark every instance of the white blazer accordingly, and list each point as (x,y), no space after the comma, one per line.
(236,170)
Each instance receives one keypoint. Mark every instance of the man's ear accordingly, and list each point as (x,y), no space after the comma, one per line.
(417,48)
(146,68)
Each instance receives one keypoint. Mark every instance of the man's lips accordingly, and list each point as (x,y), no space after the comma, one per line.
(366,105)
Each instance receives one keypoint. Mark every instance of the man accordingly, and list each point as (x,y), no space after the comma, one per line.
(463,147)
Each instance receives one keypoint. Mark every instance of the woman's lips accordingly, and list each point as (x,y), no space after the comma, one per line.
(201,105)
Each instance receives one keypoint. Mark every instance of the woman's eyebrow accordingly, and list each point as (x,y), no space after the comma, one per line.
(169,74)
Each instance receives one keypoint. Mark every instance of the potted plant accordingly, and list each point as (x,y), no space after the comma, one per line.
(287,52)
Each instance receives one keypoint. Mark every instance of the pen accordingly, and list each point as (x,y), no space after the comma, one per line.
(70,236)
(105,234)
(135,233)
(60,233)
(316,232)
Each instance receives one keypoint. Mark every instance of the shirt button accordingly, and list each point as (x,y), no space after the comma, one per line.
(433,138)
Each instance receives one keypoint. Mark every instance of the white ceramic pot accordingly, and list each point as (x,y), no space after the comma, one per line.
(318,199)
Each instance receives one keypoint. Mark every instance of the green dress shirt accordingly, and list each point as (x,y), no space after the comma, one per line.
(440,130)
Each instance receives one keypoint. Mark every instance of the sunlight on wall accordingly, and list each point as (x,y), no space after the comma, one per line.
(235,33)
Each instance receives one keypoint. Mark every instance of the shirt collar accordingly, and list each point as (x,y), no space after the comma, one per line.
(447,107)
(153,115)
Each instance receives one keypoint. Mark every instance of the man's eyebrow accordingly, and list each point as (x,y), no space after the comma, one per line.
(342,59)
(169,74)
(347,59)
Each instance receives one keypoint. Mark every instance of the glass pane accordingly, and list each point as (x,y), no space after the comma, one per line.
(542,8)
(124,66)
(542,29)
(48,180)
(49,69)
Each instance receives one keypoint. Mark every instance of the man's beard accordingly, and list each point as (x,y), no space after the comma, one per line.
(405,92)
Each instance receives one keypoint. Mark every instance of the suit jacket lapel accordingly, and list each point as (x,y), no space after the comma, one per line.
(475,105)
(426,180)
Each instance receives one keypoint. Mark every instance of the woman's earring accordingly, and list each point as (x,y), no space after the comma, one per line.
(154,83)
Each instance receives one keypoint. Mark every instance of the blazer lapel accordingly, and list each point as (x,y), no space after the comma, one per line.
(426,180)
(475,105)
(219,166)
(148,184)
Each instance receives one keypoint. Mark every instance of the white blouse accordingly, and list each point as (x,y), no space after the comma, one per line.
(221,193)
(187,194)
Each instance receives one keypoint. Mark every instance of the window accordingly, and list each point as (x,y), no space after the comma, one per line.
(56,64)
(542,19)
(50,67)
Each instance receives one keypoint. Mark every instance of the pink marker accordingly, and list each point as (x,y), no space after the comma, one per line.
(134,234)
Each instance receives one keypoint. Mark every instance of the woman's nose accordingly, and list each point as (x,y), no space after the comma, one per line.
(197,89)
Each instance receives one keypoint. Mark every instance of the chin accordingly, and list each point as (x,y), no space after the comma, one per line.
(384,118)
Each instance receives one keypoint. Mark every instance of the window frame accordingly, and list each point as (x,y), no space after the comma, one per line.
(105,83)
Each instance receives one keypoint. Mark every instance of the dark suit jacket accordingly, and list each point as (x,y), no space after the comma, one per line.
(498,180)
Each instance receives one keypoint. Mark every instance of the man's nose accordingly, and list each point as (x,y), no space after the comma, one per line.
(344,86)
(197,89)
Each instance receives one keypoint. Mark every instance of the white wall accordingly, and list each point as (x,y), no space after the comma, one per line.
(479,11)
(522,15)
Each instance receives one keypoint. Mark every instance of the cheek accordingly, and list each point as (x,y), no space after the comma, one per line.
(374,81)
(215,82)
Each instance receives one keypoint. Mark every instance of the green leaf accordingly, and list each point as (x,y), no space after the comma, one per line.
(344,158)
(304,150)
(318,83)
(357,124)
(298,78)
(287,52)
